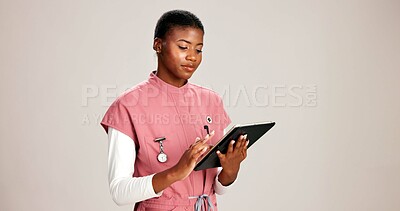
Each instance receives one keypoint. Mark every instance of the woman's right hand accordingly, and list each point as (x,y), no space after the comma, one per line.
(190,157)
(185,165)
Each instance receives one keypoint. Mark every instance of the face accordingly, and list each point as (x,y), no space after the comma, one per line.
(179,54)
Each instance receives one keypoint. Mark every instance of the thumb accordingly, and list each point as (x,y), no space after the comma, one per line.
(220,155)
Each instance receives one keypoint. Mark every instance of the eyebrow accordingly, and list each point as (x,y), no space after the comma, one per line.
(186,41)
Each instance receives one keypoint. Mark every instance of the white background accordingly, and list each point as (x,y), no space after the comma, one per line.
(63,62)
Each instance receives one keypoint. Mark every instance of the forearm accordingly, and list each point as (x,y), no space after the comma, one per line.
(227,177)
(164,179)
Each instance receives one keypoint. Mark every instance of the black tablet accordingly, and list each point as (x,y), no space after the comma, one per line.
(254,132)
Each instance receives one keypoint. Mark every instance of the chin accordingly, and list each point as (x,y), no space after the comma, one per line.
(186,75)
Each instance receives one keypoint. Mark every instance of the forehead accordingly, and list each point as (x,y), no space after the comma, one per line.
(191,34)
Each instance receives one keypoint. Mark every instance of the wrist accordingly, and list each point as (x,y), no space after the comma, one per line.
(164,179)
(173,174)
(227,177)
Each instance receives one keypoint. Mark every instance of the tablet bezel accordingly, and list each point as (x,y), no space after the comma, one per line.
(224,140)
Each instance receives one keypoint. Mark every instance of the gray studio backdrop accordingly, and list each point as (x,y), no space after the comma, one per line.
(326,71)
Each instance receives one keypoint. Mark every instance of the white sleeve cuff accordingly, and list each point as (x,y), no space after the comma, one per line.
(150,184)
(218,187)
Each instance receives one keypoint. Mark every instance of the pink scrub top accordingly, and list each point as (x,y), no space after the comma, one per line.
(155,109)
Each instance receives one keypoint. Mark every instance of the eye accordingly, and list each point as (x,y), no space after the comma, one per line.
(199,50)
(182,47)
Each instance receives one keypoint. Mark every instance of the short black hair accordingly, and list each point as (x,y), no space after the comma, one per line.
(176,18)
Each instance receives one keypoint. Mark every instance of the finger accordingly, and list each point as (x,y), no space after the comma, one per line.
(198,147)
(195,148)
(239,142)
(194,154)
(245,137)
(212,133)
(230,147)
(209,136)
(220,155)
(244,151)
(198,141)
(246,146)
(209,147)
(200,144)
(195,142)
(197,155)
(243,142)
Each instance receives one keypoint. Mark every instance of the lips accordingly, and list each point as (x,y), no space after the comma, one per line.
(189,68)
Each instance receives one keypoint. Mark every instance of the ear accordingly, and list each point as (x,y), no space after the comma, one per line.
(157,45)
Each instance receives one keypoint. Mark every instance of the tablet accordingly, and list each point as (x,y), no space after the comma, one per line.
(254,132)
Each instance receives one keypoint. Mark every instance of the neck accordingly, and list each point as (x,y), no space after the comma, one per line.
(170,80)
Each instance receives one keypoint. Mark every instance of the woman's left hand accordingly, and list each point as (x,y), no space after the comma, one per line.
(231,160)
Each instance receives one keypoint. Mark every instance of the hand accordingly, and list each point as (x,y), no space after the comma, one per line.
(230,161)
(184,166)
(190,157)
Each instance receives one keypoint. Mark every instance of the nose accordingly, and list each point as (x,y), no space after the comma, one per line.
(191,56)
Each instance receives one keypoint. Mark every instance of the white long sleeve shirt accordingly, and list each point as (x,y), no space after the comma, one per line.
(124,188)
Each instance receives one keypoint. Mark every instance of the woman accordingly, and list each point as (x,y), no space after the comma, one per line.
(156,129)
